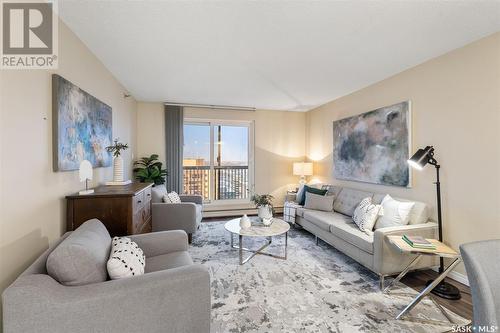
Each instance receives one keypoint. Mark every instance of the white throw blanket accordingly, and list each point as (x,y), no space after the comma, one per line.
(289,211)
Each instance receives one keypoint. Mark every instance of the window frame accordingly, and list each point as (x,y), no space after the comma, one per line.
(212,123)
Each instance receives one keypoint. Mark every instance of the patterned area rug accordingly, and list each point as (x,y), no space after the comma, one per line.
(317,289)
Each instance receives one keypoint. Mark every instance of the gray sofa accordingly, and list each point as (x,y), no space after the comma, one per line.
(172,296)
(185,216)
(371,250)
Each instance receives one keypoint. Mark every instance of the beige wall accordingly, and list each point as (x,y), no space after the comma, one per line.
(456,108)
(151,130)
(279,141)
(32,195)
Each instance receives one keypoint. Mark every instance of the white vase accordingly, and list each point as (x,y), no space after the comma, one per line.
(265,212)
(245,222)
(118,169)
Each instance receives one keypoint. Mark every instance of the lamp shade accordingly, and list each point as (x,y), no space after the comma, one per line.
(302,169)
(85,171)
(421,157)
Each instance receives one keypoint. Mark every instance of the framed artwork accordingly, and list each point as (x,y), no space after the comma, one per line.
(374,147)
(82,127)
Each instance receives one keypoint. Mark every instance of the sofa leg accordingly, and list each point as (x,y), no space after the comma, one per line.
(190,238)
(381,282)
(317,240)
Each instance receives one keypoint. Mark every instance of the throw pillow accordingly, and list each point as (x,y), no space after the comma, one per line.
(365,215)
(319,202)
(81,257)
(174,197)
(309,189)
(166,199)
(396,213)
(300,193)
(126,259)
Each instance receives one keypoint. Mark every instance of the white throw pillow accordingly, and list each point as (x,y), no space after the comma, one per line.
(166,199)
(126,259)
(366,214)
(174,197)
(395,213)
(319,202)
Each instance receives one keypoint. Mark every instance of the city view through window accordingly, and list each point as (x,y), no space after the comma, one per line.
(216,166)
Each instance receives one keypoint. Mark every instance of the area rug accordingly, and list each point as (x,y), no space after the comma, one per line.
(317,289)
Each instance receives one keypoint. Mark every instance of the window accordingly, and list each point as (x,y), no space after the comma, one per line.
(217,158)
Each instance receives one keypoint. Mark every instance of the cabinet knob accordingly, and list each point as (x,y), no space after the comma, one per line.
(139,201)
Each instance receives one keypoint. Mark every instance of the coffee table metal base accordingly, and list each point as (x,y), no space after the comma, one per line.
(258,251)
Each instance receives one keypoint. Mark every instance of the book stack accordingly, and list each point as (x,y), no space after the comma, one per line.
(419,242)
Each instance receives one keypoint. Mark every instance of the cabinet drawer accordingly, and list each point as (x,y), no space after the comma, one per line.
(147,194)
(138,201)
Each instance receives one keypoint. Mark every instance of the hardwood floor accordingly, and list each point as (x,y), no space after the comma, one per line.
(462,307)
(417,281)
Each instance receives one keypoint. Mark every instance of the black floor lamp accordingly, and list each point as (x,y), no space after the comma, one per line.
(418,161)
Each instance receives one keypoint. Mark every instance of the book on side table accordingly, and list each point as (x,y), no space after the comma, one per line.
(418,242)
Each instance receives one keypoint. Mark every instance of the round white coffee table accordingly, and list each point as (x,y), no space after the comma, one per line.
(278,227)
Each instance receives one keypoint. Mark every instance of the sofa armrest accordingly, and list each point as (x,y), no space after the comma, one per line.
(387,259)
(177,298)
(197,199)
(178,216)
(161,242)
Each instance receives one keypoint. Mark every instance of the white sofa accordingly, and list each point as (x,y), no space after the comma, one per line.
(372,251)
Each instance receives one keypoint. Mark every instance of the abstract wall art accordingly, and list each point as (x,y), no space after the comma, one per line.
(373,147)
(82,127)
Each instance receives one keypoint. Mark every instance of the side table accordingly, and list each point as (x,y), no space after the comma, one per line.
(442,251)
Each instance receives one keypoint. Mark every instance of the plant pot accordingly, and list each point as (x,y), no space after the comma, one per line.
(118,169)
(265,212)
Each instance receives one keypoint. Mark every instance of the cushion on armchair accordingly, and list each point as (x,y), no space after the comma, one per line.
(126,259)
(81,258)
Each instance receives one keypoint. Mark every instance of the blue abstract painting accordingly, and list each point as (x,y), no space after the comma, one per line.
(373,147)
(82,127)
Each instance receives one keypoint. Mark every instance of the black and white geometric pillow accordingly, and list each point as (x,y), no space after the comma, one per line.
(174,197)
(366,214)
(126,259)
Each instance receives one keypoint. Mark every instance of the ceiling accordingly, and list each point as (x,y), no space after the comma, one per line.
(283,55)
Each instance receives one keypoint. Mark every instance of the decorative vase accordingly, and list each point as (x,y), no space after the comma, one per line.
(118,169)
(265,212)
(267,221)
(245,222)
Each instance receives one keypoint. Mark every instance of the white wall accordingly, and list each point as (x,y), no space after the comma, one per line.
(32,204)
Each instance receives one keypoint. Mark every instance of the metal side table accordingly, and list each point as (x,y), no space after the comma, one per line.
(441,250)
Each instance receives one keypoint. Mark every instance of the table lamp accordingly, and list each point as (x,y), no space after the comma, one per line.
(418,161)
(302,169)
(85,176)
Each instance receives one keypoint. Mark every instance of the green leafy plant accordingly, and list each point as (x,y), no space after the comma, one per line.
(117,148)
(149,170)
(262,200)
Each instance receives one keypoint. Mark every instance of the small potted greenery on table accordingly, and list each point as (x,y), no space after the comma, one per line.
(264,204)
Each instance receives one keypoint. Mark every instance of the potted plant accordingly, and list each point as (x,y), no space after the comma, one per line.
(149,170)
(117,149)
(264,204)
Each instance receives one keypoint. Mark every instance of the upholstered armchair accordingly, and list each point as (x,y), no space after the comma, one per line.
(185,215)
(483,268)
(172,296)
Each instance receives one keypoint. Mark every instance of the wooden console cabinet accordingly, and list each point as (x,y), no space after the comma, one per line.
(124,210)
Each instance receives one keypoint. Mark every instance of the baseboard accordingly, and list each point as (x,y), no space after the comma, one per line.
(236,212)
(459,277)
